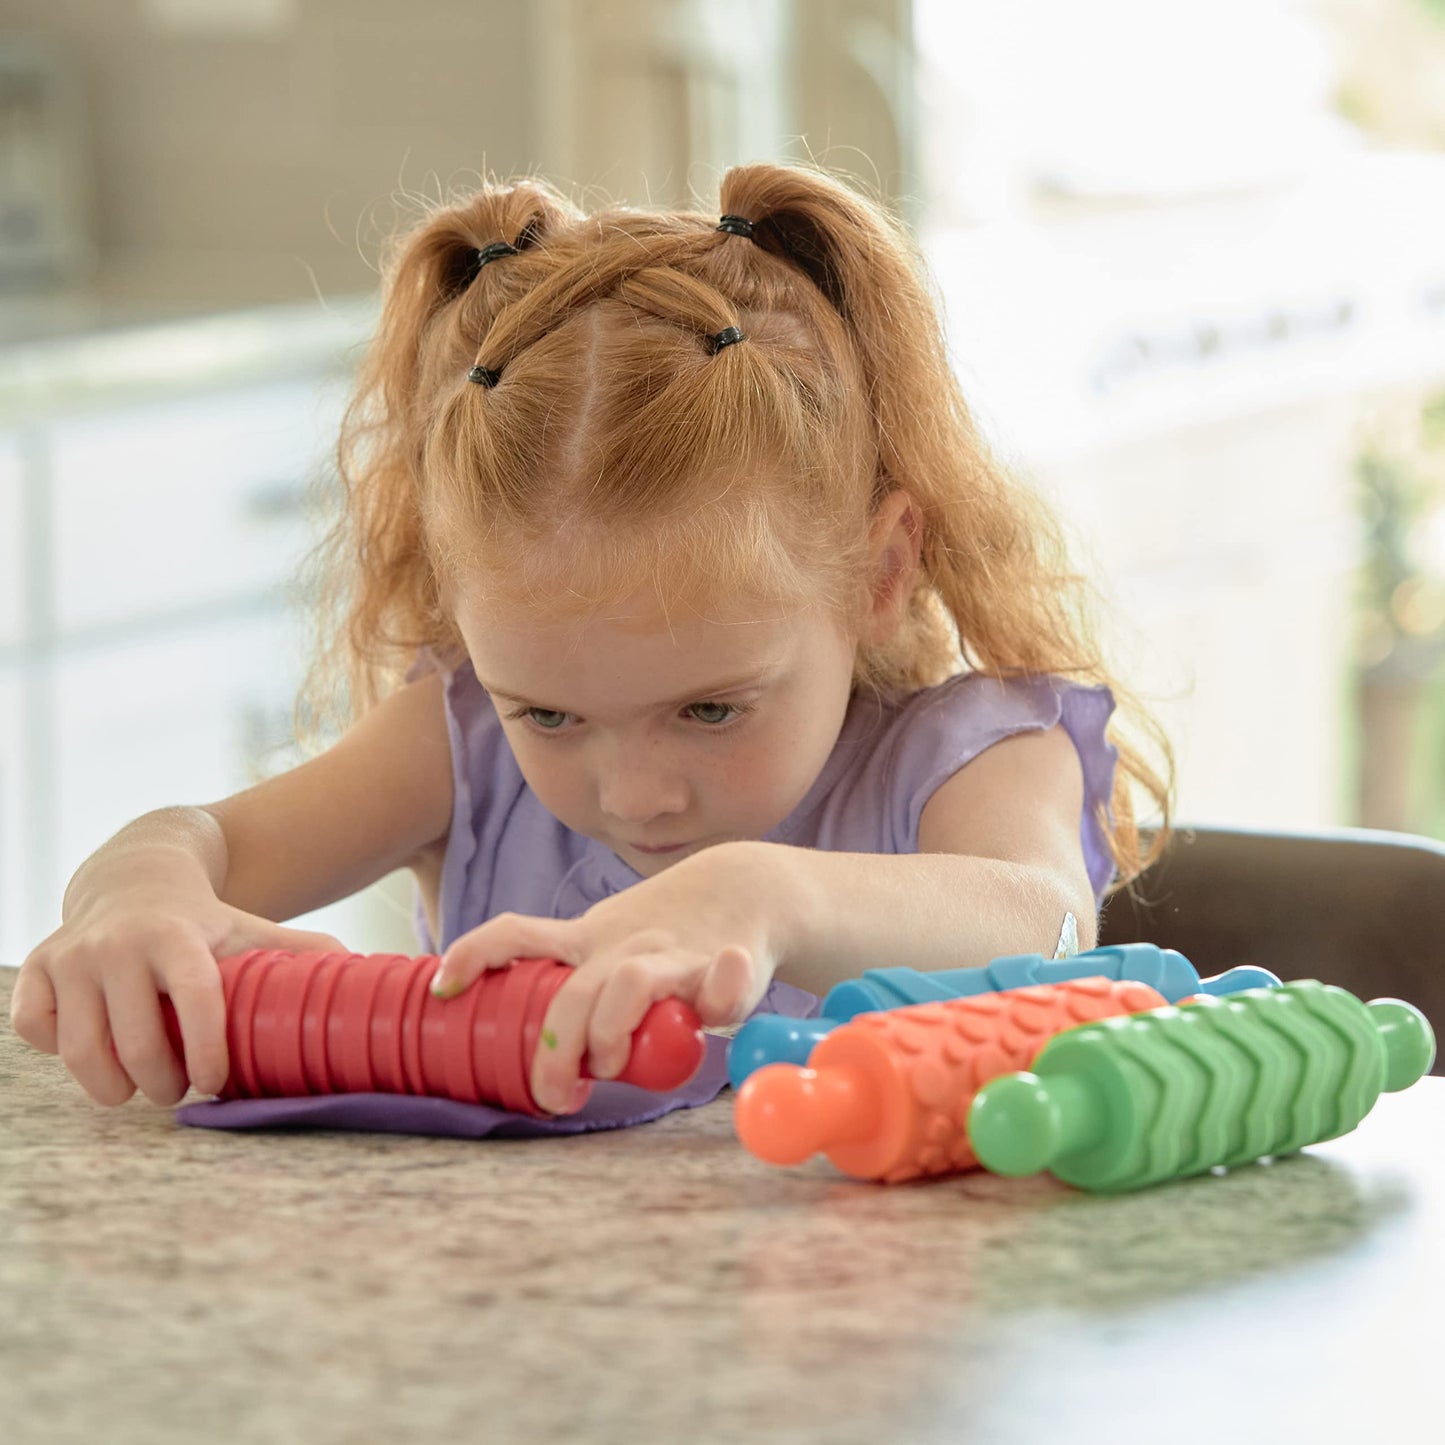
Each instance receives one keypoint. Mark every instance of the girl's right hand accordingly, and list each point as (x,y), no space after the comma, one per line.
(98,978)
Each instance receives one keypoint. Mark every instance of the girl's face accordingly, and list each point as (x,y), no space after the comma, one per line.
(660,737)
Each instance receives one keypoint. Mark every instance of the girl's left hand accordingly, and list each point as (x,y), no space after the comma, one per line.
(708,930)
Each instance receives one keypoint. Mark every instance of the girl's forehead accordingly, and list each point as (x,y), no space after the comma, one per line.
(742,564)
(492,602)
(639,651)
(635,641)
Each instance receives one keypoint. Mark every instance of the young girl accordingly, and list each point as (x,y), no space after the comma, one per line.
(694,638)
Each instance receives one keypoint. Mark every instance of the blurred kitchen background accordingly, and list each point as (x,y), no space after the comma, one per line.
(1192,260)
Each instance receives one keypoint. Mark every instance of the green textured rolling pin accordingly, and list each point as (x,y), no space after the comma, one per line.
(1176,1091)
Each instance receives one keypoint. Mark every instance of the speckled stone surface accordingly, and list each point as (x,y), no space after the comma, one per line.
(164,1284)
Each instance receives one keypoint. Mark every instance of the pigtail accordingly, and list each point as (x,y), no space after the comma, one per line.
(379,605)
(995,591)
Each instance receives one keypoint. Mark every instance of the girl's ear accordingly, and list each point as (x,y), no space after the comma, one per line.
(896,545)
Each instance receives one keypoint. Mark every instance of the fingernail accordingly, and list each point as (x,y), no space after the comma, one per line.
(554,1101)
(444,987)
(580,1094)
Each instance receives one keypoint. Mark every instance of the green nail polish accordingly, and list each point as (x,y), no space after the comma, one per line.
(549,1038)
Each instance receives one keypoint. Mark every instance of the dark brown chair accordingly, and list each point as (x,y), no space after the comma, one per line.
(1354,907)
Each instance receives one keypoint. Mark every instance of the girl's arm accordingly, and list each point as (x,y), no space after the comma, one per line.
(999,864)
(326,829)
(309,836)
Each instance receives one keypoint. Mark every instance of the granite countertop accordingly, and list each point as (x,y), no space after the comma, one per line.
(161,1283)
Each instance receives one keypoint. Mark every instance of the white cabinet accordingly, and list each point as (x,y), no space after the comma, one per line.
(179,716)
(184,715)
(150,650)
(185,503)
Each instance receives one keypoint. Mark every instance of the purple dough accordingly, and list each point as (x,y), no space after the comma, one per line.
(612,1105)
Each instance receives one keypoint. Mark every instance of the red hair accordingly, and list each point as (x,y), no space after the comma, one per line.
(615,434)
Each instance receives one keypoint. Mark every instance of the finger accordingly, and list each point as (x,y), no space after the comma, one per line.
(300,940)
(140,1038)
(624,998)
(501,941)
(84,1040)
(731,988)
(32,1008)
(192,982)
(562,1041)
(250,930)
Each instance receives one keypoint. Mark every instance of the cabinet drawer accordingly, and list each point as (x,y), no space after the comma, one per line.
(186,503)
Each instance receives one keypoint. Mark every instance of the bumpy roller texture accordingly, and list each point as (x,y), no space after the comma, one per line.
(887,1095)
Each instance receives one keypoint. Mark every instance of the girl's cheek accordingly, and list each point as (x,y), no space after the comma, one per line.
(556,786)
(749,770)
(762,779)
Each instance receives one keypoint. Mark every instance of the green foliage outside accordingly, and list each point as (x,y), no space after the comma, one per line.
(1400,615)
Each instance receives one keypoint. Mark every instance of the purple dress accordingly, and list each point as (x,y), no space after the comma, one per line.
(506,853)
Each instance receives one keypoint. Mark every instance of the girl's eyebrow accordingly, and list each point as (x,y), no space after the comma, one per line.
(691,695)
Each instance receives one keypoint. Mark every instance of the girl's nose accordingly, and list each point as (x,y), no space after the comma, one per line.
(635,788)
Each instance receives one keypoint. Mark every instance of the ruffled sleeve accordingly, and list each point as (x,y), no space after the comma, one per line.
(944,727)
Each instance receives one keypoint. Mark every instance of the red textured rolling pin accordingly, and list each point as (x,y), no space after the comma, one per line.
(346,1023)
(886,1095)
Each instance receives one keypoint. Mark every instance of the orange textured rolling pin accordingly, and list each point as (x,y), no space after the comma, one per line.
(886,1096)
(339,1023)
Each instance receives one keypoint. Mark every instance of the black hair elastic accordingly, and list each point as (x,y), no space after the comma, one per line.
(726,337)
(470,262)
(736,226)
(493,250)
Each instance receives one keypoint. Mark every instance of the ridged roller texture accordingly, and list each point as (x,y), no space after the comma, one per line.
(332,1023)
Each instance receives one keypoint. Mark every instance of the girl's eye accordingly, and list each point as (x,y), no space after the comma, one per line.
(715,714)
(710,714)
(543,718)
